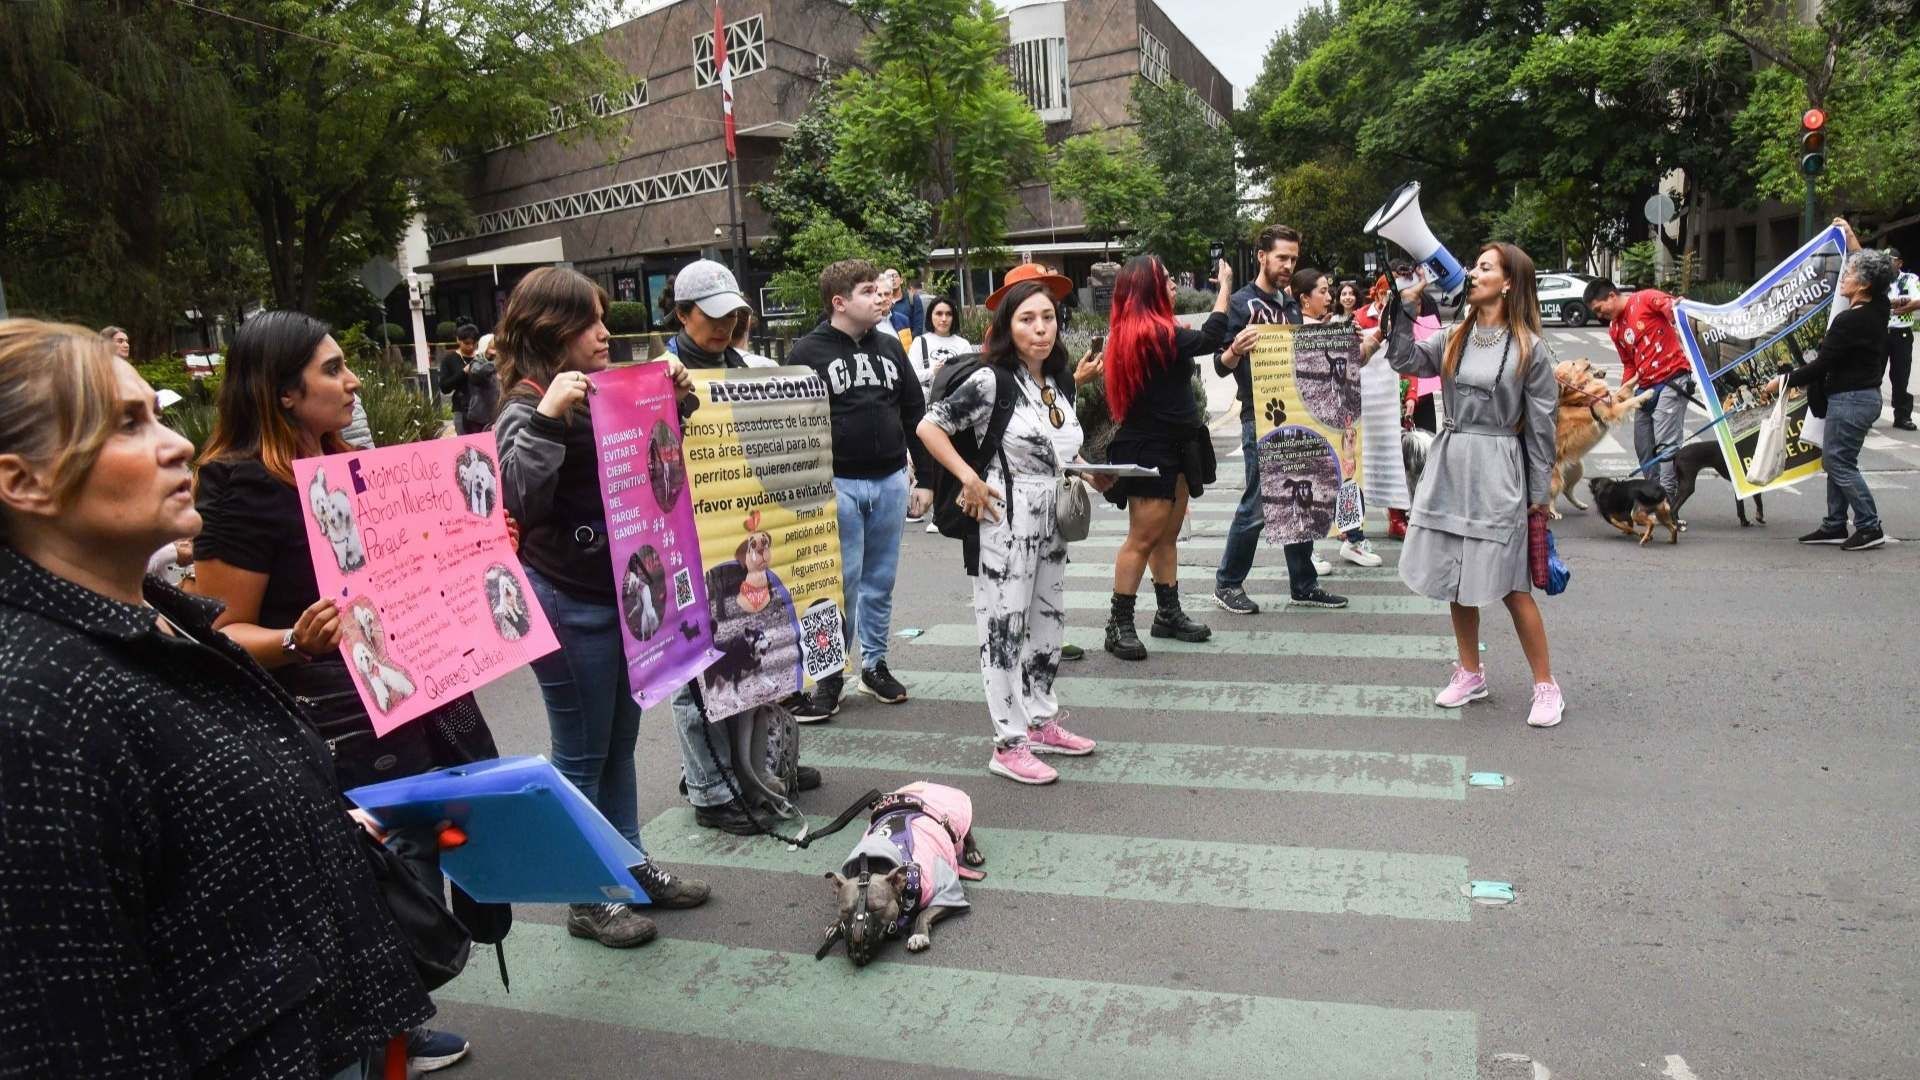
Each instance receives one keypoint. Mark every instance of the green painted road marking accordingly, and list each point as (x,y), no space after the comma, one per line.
(1368,646)
(1107,543)
(1323,881)
(1357,603)
(1276,699)
(1184,765)
(1018,1025)
(1342,572)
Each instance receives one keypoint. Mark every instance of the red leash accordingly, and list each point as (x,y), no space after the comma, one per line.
(397,1057)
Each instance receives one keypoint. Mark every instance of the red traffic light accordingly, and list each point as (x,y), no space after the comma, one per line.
(1813,120)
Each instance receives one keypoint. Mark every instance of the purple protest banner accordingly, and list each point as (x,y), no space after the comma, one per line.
(650,531)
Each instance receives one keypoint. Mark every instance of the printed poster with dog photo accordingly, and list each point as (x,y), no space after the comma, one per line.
(759,458)
(1306,394)
(650,530)
(412,542)
(1771,329)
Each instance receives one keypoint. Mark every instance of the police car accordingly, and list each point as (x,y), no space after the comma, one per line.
(1563,298)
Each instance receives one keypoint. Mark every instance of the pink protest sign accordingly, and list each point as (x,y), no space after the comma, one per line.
(412,542)
(650,531)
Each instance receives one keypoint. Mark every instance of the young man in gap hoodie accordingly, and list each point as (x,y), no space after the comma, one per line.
(877,402)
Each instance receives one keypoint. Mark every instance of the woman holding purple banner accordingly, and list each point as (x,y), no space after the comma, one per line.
(550,339)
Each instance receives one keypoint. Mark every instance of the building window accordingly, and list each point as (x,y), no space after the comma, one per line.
(626,195)
(1040,70)
(746,51)
(1156,63)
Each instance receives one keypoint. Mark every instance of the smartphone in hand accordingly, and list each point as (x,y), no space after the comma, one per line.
(1099,344)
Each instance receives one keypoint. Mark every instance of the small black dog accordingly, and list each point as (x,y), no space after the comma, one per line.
(1633,505)
(1694,458)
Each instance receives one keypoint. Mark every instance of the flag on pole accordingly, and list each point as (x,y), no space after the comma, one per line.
(725,71)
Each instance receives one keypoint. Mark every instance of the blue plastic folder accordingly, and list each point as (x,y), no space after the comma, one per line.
(531,836)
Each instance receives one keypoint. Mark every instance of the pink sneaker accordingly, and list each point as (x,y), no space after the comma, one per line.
(1051,738)
(1018,764)
(1548,706)
(1465,686)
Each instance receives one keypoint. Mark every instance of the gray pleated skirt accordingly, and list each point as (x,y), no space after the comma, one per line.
(1462,570)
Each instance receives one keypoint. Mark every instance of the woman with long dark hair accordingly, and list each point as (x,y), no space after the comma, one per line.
(1488,471)
(185,894)
(286,392)
(550,338)
(1019,589)
(1149,378)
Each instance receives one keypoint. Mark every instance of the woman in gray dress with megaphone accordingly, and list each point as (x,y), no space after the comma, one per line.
(1467,540)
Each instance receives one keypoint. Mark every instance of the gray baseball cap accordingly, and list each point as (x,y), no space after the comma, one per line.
(710,285)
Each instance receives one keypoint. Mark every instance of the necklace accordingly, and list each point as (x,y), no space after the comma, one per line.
(1487,336)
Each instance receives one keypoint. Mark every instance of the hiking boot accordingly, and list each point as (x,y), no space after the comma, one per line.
(1122,640)
(880,684)
(616,926)
(1824,535)
(1235,601)
(1864,539)
(1051,738)
(1465,686)
(1018,764)
(818,705)
(430,1051)
(668,891)
(1360,553)
(1171,622)
(806,778)
(1548,707)
(728,817)
(1317,598)
(1072,652)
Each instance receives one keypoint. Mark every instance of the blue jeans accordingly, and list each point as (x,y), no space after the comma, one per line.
(1243,536)
(706,784)
(592,720)
(1850,415)
(873,514)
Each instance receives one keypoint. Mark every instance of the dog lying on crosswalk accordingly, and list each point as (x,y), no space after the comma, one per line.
(904,875)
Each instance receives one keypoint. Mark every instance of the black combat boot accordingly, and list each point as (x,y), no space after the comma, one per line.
(1122,640)
(1171,622)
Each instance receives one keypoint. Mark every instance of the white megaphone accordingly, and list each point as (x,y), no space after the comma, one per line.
(1399,220)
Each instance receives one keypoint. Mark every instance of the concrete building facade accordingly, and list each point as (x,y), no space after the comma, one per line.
(631,210)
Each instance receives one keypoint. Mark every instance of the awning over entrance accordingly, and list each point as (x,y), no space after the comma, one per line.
(533,252)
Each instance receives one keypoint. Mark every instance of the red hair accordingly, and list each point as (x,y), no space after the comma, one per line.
(1140,339)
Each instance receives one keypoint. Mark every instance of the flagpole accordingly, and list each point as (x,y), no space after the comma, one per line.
(723,68)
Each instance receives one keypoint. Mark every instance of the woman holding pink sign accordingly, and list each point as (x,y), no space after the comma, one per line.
(550,338)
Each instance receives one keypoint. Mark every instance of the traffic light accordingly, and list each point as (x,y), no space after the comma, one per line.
(1813,143)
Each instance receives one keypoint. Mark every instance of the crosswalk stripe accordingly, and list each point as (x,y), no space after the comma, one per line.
(1344,572)
(1106,545)
(1219,696)
(1185,765)
(1017,1025)
(1209,873)
(1397,603)
(1365,646)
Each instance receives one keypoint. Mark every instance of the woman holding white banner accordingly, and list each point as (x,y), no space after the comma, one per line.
(550,338)
(1488,470)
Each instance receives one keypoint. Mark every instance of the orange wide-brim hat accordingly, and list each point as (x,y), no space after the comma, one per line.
(1058,286)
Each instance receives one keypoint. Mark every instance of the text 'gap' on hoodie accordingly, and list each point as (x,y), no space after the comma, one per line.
(876,400)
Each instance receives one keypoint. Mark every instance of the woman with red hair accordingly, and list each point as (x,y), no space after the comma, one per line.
(1149,378)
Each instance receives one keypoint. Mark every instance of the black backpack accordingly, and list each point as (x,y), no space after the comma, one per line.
(952,521)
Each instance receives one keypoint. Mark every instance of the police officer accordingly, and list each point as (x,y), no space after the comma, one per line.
(1905,296)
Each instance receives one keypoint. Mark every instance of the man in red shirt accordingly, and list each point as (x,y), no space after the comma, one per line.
(1646,333)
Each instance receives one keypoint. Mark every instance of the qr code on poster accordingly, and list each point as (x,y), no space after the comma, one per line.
(683,589)
(1351,509)
(822,641)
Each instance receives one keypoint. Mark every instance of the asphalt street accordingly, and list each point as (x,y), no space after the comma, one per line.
(1261,873)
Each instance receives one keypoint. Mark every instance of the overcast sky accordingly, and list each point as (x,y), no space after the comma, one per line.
(1234,34)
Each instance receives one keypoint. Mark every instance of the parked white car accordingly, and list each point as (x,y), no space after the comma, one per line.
(1563,299)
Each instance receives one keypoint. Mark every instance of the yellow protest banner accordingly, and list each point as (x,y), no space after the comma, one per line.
(1306,397)
(759,453)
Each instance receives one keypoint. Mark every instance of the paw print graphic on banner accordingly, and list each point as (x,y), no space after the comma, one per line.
(1276,412)
(823,640)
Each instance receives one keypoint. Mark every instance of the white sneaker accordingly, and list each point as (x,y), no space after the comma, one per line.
(1320,565)
(932,528)
(1360,554)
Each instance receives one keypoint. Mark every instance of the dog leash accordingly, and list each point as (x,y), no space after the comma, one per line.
(733,788)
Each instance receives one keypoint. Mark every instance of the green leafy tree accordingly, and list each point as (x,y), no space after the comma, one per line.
(938,109)
(1328,199)
(1199,202)
(822,241)
(1109,175)
(886,212)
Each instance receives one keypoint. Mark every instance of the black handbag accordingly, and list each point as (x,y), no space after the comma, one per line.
(438,942)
